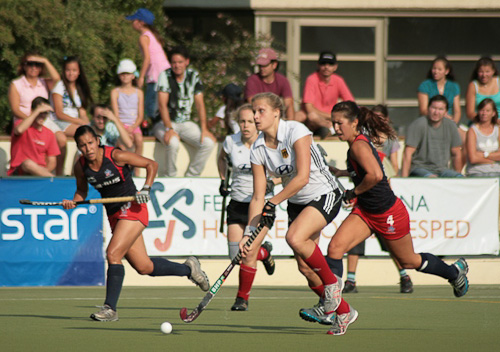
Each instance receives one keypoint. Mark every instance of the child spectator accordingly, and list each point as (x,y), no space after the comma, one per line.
(155,60)
(33,146)
(127,102)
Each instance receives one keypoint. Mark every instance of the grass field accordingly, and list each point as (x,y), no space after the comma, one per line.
(430,319)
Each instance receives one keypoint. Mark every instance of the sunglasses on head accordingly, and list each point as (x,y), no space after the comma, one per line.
(33,64)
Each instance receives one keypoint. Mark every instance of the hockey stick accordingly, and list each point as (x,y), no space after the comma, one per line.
(188,318)
(88,201)
(226,184)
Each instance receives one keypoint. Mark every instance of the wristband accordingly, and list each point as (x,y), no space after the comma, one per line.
(249,230)
(485,154)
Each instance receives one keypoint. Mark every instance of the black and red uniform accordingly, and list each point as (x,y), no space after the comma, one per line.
(383,212)
(112,180)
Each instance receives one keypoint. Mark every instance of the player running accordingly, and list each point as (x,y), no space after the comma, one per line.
(377,208)
(286,149)
(109,171)
(236,149)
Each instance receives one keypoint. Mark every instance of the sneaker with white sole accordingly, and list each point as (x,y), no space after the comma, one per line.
(105,314)
(332,295)
(342,321)
(197,276)
(317,314)
(460,284)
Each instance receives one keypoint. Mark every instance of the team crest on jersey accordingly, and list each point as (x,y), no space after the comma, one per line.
(284,153)
(108,173)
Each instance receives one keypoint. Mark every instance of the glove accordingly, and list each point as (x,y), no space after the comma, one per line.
(224,189)
(269,186)
(348,197)
(143,195)
(268,215)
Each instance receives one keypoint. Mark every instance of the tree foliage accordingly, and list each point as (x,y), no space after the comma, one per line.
(97,32)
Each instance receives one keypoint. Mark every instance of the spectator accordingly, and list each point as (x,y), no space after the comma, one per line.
(154,59)
(483,142)
(33,146)
(127,102)
(109,127)
(268,80)
(440,80)
(484,84)
(178,88)
(430,142)
(232,99)
(322,91)
(70,98)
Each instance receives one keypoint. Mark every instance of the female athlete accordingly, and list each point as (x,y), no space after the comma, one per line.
(286,149)
(108,170)
(377,208)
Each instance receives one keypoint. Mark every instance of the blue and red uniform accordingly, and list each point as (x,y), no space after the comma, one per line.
(383,212)
(112,180)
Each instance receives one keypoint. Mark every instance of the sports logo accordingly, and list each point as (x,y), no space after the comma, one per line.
(284,169)
(245,168)
(284,153)
(108,173)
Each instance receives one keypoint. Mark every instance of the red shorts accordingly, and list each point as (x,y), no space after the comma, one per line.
(130,211)
(392,225)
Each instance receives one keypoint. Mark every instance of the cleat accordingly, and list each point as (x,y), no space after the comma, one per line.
(105,314)
(405,284)
(342,321)
(317,314)
(350,287)
(332,296)
(269,261)
(197,275)
(460,284)
(240,305)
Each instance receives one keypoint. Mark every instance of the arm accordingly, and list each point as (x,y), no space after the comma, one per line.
(51,161)
(114,101)
(122,157)
(144,44)
(289,110)
(423,102)
(259,193)
(407,157)
(394,162)
(456,158)
(82,187)
(27,122)
(338,172)
(470,101)
(14,101)
(165,115)
(58,108)
(124,135)
(494,156)
(221,164)
(140,111)
(202,114)
(310,108)
(457,113)
(51,71)
(362,154)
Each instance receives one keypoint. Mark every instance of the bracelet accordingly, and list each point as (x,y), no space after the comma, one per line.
(167,129)
(486,154)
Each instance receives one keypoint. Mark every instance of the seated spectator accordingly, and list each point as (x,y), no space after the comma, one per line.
(33,146)
(179,87)
(430,141)
(269,80)
(388,151)
(109,127)
(483,142)
(484,84)
(232,99)
(322,91)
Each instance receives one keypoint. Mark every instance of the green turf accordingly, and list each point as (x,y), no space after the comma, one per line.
(430,319)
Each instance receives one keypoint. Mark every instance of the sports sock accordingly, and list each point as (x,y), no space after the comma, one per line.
(318,263)
(164,267)
(263,254)
(433,265)
(234,248)
(318,290)
(351,276)
(343,307)
(247,275)
(336,266)
(402,273)
(114,283)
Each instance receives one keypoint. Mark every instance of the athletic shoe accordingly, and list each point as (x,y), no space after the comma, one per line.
(269,261)
(332,295)
(350,287)
(342,321)
(405,284)
(197,276)
(317,314)
(240,304)
(105,314)
(460,284)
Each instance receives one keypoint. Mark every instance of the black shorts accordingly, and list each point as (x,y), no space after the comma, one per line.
(359,249)
(237,213)
(328,204)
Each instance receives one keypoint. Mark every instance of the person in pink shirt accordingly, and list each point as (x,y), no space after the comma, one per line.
(322,91)
(33,146)
(155,59)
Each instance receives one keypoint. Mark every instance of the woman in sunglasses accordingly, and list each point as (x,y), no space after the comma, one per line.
(37,77)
